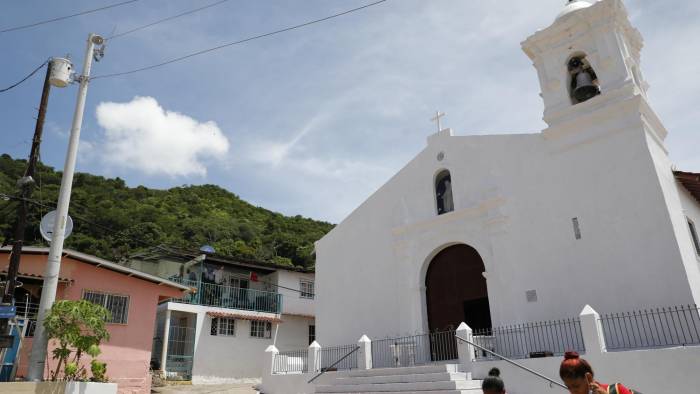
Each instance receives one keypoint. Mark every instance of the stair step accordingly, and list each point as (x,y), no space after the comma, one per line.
(423,369)
(423,377)
(399,387)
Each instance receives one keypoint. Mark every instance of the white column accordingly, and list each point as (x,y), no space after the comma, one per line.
(314,361)
(364,354)
(270,353)
(465,350)
(166,338)
(592,331)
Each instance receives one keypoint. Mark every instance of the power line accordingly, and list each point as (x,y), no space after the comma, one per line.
(166,19)
(177,59)
(25,78)
(60,18)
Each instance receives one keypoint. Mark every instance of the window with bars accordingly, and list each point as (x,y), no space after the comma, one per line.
(694,235)
(307,289)
(223,326)
(117,305)
(260,329)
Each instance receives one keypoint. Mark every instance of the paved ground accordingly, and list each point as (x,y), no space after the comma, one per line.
(206,389)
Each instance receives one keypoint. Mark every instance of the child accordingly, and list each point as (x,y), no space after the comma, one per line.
(493,384)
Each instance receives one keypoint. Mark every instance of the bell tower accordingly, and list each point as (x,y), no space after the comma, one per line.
(587,58)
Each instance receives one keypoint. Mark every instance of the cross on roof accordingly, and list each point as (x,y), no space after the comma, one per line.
(437,117)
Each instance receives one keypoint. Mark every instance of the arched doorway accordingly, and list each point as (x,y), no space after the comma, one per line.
(456,290)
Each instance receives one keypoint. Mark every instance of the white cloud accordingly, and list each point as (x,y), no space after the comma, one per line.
(141,135)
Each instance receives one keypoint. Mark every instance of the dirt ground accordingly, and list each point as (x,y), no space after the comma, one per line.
(206,389)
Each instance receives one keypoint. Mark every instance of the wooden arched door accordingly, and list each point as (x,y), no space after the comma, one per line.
(456,290)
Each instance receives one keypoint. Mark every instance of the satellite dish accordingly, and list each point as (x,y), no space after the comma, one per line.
(207,249)
(47,223)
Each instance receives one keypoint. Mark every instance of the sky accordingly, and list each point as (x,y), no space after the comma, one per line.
(309,122)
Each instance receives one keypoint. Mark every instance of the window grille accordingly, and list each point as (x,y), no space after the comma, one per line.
(260,329)
(307,289)
(223,326)
(117,305)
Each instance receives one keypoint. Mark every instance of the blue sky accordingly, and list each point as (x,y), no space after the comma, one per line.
(310,122)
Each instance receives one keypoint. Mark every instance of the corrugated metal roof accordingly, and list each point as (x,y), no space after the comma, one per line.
(691,181)
(94,260)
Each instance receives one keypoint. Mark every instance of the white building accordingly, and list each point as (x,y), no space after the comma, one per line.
(502,229)
(219,334)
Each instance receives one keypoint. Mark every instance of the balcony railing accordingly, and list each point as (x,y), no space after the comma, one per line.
(210,294)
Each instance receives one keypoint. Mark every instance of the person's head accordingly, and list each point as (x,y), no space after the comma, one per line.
(493,384)
(576,373)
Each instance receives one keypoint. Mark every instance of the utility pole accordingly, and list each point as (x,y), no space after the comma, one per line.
(53,265)
(26,186)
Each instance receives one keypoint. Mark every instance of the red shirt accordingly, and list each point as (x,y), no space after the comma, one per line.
(620,388)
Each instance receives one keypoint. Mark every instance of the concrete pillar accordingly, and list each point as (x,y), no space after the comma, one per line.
(465,350)
(592,331)
(314,361)
(166,338)
(364,354)
(270,353)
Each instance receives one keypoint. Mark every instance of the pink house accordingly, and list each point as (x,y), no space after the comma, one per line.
(132,297)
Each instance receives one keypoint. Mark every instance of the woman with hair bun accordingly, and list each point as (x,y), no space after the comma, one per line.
(577,375)
(493,384)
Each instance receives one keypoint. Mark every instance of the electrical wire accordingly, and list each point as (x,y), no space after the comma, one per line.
(25,78)
(177,59)
(60,18)
(113,36)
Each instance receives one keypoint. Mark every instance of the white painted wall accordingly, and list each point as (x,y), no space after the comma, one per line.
(515,196)
(292,302)
(226,359)
(293,333)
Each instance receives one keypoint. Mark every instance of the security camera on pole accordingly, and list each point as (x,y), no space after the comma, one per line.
(48,294)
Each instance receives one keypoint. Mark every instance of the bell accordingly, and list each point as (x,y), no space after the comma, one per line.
(585,89)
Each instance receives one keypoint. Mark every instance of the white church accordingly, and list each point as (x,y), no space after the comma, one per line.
(501,229)
(496,230)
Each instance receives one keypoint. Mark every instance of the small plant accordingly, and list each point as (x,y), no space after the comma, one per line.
(78,327)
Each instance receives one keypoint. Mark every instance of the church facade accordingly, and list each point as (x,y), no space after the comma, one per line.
(501,229)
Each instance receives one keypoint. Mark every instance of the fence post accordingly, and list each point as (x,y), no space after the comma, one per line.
(314,361)
(364,354)
(270,353)
(465,350)
(592,331)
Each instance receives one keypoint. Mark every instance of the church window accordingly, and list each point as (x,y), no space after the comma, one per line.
(694,235)
(577,228)
(443,193)
(584,81)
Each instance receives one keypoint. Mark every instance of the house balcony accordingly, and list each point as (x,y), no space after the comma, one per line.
(223,296)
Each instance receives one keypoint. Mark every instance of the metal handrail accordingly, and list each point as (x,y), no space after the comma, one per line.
(334,364)
(551,382)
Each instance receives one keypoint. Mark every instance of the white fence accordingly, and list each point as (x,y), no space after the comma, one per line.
(648,370)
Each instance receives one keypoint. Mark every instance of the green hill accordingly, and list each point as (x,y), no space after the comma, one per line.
(113,220)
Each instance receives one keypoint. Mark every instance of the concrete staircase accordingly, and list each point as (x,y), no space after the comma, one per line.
(438,379)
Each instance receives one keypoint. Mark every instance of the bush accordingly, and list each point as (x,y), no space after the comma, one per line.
(78,327)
